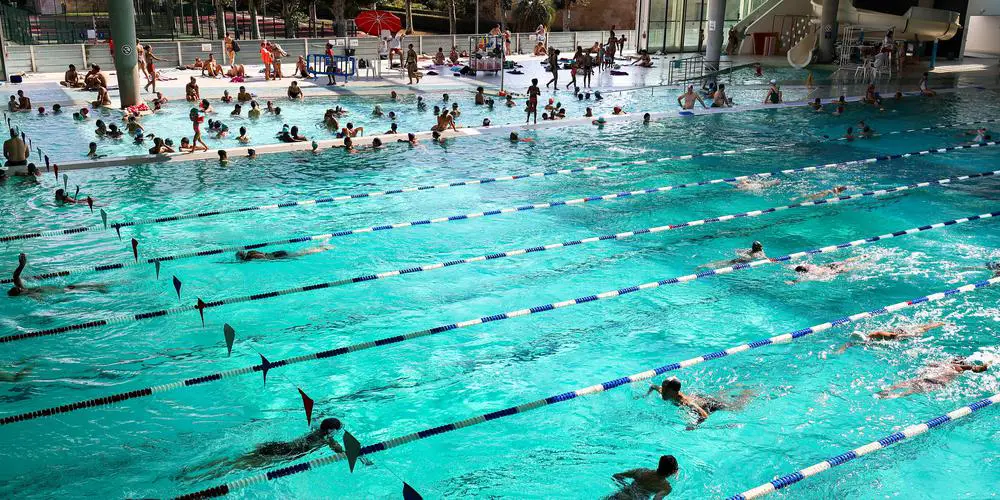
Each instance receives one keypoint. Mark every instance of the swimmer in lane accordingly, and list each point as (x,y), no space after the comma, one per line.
(755,252)
(824,193)
(898,333)
(702,406)
(21,290)
(248,255)
(824,272)
(934,377)
(646,482)
(15,376)
(756,183)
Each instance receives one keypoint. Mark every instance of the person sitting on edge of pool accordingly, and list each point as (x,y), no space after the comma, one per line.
(248,255)
(702,406)
(294,91)
(646,482)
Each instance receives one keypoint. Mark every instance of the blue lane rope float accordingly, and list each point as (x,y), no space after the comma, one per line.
(156,261)
(226,488)
(881,444)
(117,226)
(200,306)
(265,366)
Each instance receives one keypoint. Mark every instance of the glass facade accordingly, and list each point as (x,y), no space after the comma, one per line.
(680,25)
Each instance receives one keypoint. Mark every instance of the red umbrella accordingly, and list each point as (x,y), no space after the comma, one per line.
(374,22)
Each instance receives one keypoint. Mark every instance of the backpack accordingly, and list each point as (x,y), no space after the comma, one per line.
(236,46)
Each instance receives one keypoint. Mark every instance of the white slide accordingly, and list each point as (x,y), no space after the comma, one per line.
(801,54)
(918,23)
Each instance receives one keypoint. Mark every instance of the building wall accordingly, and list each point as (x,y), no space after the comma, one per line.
(598,15)
(977,8)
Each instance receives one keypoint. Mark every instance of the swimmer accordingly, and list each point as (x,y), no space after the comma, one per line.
(377,112)
(646,119)
(243,138)
(411,139)
(237,110)
(421,105)
(646,482)
(817,105)
(934,377)
(866,131)
(532,106)
(160,147)
(480,98)
(898,333)
(756,183)
(824,272)
(849,136)
(700,406)
(773,95)
(687,99)
(755,252)
(248,255)
(589,113)
(16,376)
(243,95)
(295,92)
(839,111)
(291,135)
(254,112)
(223,157)
(226,97)
(824,193)
(92,151)
(376,143)
(21,290)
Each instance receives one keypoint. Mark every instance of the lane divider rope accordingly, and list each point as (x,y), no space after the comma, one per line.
(881,444)
(471,182)
(226,488)
(509,210)
(200,306)
(340,351)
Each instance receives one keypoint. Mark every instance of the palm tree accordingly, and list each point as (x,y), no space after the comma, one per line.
(530,13)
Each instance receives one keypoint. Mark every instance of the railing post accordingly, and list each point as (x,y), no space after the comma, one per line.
(420,44)
(180,56)
(83,52)
(576,42)
(31,53)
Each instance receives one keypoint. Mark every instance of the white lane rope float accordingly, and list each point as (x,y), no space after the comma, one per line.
(226,488)
(881,444)
(157,261)
(266,365)
(117,226)
(201,305)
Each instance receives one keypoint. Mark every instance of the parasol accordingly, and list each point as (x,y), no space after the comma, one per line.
(374,22)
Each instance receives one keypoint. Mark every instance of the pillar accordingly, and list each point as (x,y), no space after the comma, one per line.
(122,16)
(828,30)
(713,42)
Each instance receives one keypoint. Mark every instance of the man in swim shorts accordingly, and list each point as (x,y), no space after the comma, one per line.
(15,151)
(646,482)
(687,99)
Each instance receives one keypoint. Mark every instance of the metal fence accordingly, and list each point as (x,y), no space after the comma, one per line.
(56,57)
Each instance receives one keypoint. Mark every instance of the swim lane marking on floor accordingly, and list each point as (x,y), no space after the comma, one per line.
(226,488)
(881,444)
(157,261)
(469,182)
(340,351)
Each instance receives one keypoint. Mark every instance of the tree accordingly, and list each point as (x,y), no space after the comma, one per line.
(196,22)
(254,24)
(452,14)
(337,8)
(528,14)
(291,14)
(409,16)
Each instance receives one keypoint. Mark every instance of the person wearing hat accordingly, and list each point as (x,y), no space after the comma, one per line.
(773,94)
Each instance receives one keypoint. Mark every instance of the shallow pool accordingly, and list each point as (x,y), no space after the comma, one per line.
(809,402)
(70,143)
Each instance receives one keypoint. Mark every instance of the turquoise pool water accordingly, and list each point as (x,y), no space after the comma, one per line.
(810,403)
(71,142)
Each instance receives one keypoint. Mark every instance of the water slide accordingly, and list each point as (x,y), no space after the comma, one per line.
(918,24)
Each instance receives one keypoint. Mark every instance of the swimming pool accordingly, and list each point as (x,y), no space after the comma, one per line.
(173,121)
(810,403)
